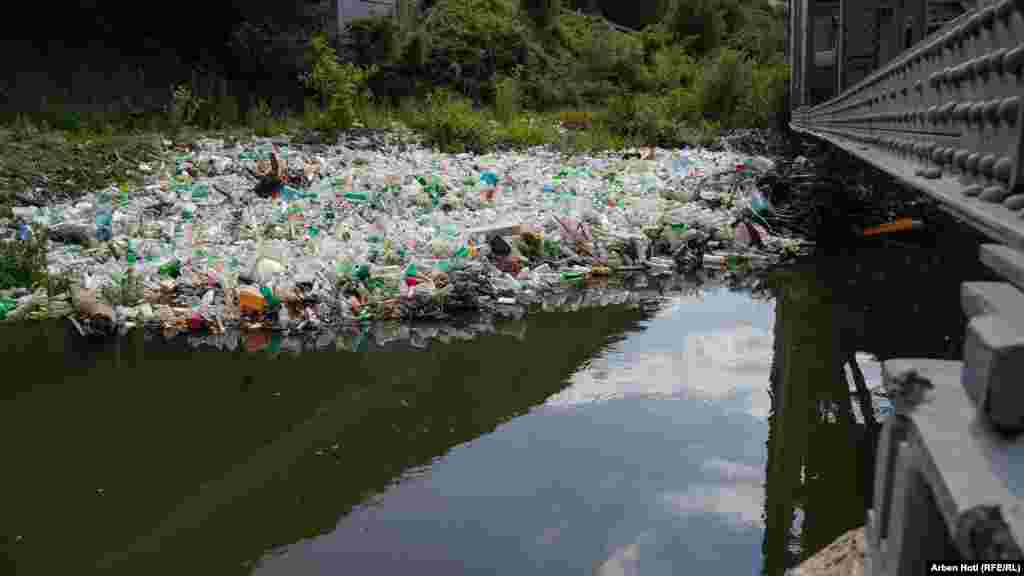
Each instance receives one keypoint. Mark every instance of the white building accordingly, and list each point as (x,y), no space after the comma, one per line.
(352,9)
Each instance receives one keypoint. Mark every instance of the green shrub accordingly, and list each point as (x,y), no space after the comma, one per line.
(261,119)
(766,101)
(763,34)
(23,263)
(312,115)
(506,99)
(416,51)
(184,107)
(670,67)
(684,105)
(343,85)
(698,24)
(607,53)
(527,130)
(98,123)
(449,122)
(70,121)
(596,139)
(460,29)
(725,83)
(227,111)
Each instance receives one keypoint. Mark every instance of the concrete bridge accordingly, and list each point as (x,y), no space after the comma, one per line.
(929,91)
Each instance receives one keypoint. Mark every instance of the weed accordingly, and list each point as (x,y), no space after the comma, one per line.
(260,119)
(506,99)
(450,123)
(23,262)
(525,131)
(183,107)
(725,83)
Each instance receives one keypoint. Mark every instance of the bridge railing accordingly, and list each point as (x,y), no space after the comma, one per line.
(945,117)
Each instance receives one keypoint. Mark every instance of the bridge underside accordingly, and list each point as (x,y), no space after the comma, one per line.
(926,90)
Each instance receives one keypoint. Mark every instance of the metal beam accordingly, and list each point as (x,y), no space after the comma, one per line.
(945,118)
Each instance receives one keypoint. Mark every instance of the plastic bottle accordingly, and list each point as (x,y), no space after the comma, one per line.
(681,165)
(104,218)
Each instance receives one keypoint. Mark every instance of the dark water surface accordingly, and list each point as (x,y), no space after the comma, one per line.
(712,434)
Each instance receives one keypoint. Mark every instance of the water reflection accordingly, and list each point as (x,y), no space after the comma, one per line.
(835,321)
(136,453)
(613,434)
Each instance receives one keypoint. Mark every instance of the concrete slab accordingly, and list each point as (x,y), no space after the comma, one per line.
(1005,261)
(994,368)
(963,460)
(997,298)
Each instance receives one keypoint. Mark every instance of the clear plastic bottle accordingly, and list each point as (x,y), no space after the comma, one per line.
(104,217)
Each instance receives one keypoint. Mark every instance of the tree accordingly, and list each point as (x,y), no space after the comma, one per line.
(701,23)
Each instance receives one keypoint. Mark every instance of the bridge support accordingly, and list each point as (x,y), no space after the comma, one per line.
(950,467)
(945,117)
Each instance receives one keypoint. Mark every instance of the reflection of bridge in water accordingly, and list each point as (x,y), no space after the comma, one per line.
(929,91)
(820,447)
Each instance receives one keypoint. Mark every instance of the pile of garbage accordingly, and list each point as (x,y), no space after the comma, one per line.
(635,291)
(282,236)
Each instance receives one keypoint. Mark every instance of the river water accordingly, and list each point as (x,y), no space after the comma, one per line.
(711,431)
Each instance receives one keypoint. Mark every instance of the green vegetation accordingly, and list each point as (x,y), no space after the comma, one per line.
(469,75)
(23,263)
(342,85)
(697,67)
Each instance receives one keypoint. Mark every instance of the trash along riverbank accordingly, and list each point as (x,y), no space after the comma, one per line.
(290,237)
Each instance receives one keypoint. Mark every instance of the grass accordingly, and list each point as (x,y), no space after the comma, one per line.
(23,263)
(66,165)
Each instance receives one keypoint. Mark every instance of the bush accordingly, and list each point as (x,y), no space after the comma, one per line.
(450,123)
(312,115)
(525,131)
(416,51)
(724,85)
(184,107)
(642,117)
(23,263)
(608,54)
(670,121)
(766,101)
(343,85)
(261,119)
(227,110)
(506,99)
(460,29)
(670,67)
(697,23)
(684,105)
(596,139)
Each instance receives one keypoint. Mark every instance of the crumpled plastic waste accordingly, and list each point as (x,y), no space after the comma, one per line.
(270,235)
